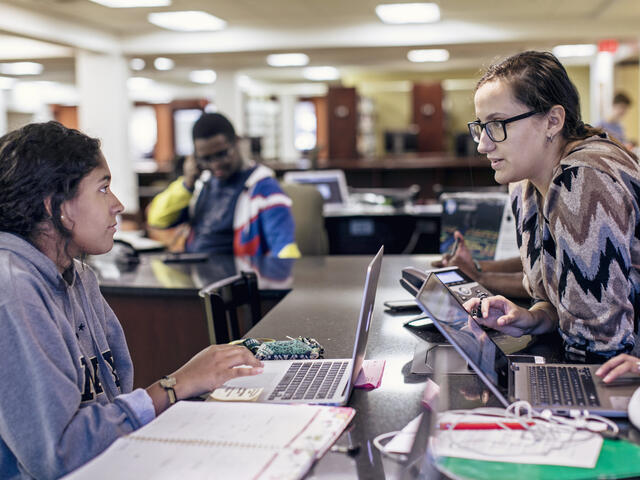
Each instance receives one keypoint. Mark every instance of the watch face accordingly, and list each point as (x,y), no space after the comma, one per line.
(167,382)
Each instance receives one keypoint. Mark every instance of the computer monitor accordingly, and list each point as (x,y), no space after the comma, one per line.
(331,184)
(401,141)
(486,221)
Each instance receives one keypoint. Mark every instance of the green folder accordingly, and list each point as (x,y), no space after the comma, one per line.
(618,459)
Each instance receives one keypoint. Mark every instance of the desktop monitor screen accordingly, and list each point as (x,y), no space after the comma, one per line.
(330,183)
(485,220)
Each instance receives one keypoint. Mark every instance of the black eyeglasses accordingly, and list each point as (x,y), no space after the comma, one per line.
(220,155)
(496,129)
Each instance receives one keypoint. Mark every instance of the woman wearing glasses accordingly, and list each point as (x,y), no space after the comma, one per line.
(575,195)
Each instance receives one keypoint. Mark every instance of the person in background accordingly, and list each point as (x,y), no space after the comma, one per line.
(612,125)
(66,371)
(232,205)
(575,200)
(502,277)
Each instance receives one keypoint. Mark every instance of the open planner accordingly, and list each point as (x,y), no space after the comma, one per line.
(203,440)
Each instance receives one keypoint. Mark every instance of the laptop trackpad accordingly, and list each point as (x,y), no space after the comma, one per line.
(272,371)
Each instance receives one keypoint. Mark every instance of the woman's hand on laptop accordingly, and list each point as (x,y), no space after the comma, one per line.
(617,366)
(503,315)
(213,366)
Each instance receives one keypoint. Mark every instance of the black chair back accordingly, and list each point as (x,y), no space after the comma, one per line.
(229,303)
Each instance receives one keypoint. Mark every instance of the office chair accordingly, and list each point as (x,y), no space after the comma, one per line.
(307,210)
(229,302)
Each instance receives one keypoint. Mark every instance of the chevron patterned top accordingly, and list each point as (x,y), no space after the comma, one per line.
(580,245)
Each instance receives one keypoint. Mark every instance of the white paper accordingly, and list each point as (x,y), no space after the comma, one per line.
(554,446)
(403,441)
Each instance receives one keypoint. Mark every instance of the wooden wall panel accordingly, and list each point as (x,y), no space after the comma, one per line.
(67,115)
(428,115)
(343,122)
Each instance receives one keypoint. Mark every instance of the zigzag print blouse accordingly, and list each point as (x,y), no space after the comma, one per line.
(580,246)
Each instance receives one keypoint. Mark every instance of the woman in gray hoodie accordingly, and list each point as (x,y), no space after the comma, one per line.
(65,369)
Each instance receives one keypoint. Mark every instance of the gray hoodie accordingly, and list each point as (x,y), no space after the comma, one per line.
(65,371)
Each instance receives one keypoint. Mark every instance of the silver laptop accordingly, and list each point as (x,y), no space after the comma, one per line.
(559,387)
(331,184)
(319,381)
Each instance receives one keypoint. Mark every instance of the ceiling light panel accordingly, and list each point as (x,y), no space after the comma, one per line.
(21,68)
(163,63)
(578,50)
(139,83)
(428,55)
(287,59)
(321,73)
(137,64)
(187,21)
(204,77)
(401,13)
(132,3)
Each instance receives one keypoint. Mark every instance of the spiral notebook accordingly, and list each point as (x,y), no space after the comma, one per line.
(198,440)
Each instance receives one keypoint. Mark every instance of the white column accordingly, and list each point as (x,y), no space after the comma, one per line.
(3,111)
(103,112)
(228,99)
(601,86)
(288,152)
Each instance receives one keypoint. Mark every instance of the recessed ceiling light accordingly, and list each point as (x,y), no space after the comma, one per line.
(287,59)
(428,55)
(408,12)
(133,3)
(578,50)
(203,76)
(139,83)
(187,21)
(163,63)
(21,68)
(321,73)
(137,64)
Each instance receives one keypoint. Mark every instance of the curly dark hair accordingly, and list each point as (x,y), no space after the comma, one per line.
(38,161)
(539,81)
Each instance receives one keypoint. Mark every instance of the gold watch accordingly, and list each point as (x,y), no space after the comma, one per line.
(168,383)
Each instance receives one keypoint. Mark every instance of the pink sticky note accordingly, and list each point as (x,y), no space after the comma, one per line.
(370,375)
(430,394)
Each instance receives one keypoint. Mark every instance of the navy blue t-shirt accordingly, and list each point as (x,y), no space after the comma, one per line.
(212,222)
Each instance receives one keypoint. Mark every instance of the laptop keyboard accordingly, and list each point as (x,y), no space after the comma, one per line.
(562,386)
(310,380)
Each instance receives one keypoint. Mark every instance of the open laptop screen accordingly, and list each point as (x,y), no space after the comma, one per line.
(330,183)
(464,333)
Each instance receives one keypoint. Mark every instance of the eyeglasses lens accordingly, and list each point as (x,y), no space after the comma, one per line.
(475,129)
(496,131)
(221,154)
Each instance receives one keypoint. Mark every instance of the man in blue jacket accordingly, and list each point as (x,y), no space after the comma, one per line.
(231,204)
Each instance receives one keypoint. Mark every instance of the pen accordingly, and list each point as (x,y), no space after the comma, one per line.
(485,426)
(454,247)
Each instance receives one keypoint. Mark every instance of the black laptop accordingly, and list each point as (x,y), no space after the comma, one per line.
(559,387)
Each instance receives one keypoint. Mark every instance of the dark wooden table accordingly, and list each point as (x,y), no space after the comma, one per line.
(320,297)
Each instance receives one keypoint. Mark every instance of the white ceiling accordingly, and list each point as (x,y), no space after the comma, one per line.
(343,33)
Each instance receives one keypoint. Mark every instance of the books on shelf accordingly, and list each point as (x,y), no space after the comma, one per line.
(198,440)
